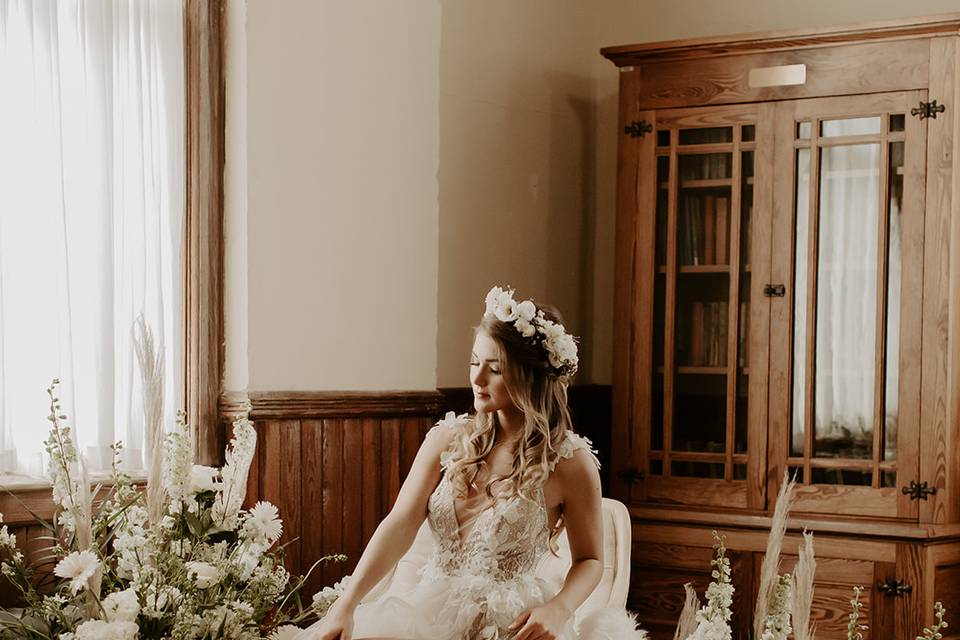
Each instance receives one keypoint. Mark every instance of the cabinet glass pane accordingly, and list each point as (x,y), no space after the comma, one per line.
(702,319)
(894,269)
(850,127)
(854,477)
(700,413)
(704,166)
(713,135)
(686,469)
(846,301)
(663,201)
(800,293)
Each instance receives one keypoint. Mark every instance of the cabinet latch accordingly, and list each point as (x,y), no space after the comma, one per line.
(896,588)
(774,290)
(918,491)
(928,110)
(630,475)
(638,129)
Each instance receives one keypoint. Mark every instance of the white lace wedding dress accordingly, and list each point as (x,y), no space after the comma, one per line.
(479,579)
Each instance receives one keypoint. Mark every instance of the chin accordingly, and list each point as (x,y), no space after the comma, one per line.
(483,405)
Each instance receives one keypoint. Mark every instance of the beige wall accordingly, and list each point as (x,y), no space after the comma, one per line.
(341,196)
(360,115)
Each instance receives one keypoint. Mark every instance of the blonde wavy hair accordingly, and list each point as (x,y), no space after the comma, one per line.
(539,393)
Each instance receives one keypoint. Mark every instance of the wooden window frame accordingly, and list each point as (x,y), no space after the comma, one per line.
(203,346)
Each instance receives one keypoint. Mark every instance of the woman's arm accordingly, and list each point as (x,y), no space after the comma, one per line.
(396,532)
(579,483)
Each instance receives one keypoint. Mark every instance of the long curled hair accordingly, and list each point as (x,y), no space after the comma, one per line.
(539,393)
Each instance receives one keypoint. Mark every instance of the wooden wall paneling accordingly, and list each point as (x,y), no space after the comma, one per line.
(311,460)
(624,260)
(203,249)
(352,488)
(332,497)
(953,371)
(370,463)
(939,440)
(291,498)
(390,469)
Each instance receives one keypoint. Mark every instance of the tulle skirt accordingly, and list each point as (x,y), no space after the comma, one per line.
(475,608)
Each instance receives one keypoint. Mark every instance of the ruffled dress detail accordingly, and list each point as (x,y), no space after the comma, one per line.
(474,587)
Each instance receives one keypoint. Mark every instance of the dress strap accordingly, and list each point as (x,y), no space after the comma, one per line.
(573,443)
(453,423)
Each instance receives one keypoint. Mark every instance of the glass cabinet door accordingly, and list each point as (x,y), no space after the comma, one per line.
(844,393)
(698,433)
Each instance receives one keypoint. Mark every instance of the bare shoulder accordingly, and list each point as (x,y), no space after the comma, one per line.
(579,467)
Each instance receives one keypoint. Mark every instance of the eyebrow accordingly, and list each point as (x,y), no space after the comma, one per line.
(487,360)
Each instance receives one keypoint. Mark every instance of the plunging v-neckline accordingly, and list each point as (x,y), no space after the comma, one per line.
(464,537)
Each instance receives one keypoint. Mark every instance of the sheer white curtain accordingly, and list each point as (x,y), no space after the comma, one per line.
(91,217)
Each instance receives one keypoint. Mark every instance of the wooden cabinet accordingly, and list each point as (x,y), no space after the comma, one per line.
(788,300)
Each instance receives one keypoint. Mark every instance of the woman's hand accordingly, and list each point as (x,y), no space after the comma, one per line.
(336,625)
(545,622)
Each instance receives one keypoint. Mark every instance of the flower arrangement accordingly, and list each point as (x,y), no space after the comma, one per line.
(180,561)
(530,322)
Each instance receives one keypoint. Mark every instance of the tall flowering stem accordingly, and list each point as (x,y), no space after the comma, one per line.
(63,461)
(151,378)
(934,632)
(238,457)
(855,628)
(777,623)
(713,620)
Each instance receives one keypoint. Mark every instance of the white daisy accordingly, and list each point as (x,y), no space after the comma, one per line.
(78,567)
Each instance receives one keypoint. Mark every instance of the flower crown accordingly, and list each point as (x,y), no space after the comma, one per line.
(532,324)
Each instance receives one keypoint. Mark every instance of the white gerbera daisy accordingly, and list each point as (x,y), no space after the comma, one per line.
(263,523)
(78,567)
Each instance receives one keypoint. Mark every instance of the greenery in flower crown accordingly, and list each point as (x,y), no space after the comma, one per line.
(205,570)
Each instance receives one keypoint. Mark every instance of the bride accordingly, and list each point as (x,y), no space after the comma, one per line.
(497,488)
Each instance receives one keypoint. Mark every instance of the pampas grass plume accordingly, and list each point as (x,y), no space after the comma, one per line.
(151,376)
(770,569)
(687,623)
(803,575)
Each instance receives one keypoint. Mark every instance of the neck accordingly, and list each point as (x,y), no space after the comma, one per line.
(511,422)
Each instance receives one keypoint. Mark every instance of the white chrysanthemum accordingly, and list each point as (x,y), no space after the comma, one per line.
(203,478)
(78,567)
(122,606)
(286,632)
(203,573)
(263,524)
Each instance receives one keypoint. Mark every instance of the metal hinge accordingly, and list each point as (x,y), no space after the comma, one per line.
(918,491)
(630,475)
(928,110)
(774,290)
(896,588)
(638,129)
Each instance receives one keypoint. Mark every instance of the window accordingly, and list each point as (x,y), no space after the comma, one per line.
(92,218)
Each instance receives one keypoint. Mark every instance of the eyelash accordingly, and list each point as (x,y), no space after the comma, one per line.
(492,370)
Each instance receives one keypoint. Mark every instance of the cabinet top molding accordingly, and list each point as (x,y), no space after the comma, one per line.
(767,41)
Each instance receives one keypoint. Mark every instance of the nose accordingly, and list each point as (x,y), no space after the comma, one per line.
(478,376)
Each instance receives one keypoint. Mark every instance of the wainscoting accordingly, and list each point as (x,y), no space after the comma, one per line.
(333,462)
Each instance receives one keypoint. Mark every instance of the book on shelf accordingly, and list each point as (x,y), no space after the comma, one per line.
(709,229)
(722,227)
(708,334)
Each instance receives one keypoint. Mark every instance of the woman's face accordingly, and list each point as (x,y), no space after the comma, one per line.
(486,376)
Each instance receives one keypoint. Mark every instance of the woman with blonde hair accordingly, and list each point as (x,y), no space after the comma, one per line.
(496,488)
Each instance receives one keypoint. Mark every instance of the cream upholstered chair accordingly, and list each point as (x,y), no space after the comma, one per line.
(611,592)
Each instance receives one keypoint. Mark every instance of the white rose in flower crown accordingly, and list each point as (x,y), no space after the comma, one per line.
(526,329)
(493,298)
(527,310)
(506,309)
(203,478)
(204,574)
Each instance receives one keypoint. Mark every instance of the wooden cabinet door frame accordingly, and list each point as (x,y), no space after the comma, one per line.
(875,500)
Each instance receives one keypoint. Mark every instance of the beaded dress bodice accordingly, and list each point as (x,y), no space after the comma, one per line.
(505,542)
